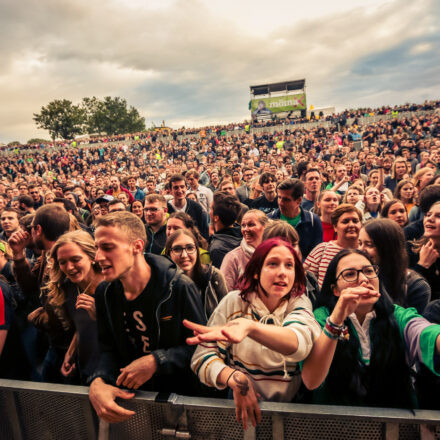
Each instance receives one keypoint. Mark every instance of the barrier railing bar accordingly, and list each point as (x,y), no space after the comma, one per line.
(270,408)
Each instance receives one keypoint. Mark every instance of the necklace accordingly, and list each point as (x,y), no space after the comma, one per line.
(85,290)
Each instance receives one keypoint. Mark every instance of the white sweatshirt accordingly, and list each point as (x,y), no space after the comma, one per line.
(274,376)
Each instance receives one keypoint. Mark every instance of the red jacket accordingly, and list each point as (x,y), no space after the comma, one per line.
(121,188)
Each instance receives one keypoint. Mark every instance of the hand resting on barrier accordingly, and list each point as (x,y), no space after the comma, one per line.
(102,396)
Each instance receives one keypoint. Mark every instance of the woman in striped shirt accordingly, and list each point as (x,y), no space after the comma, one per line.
(257,335)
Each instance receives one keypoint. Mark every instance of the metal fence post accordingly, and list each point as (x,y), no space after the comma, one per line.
(391,431)
(250,433)
(12,414)
(277,427)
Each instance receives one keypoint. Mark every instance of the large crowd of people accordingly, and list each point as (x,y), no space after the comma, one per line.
(293,266)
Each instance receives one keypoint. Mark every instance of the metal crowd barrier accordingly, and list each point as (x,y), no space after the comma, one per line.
(41,411)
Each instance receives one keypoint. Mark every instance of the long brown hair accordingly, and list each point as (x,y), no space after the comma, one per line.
(57,277)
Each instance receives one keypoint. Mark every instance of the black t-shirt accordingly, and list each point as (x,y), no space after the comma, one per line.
(264,205)
(140,320)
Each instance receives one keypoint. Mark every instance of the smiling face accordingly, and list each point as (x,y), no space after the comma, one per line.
(74,263)
(178,190)
(252,230)
(137,208)
(329,202)
(277,274)
(184,253)
(431,222)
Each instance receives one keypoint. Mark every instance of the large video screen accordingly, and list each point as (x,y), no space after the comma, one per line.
(277,104)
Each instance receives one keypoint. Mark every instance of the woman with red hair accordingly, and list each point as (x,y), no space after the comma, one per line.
(258,334)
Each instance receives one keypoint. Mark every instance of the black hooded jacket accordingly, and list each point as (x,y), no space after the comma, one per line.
(176,299)
(222,242)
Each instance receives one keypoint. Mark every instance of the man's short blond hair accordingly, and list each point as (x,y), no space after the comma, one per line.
(127,222)
(153,198)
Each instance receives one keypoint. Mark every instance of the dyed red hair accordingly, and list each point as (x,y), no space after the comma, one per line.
(247,283)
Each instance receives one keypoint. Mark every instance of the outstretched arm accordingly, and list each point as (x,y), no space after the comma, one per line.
(280,339)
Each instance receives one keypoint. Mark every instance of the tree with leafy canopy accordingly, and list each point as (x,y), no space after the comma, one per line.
(37,141)
(111,116)
(61,118)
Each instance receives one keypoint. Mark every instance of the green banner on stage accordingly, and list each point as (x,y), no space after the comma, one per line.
(278,104)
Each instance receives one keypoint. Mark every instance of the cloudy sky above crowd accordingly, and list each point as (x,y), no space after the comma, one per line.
(190,62)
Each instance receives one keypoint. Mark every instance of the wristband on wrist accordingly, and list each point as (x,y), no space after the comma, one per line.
(334,331)
(227,380)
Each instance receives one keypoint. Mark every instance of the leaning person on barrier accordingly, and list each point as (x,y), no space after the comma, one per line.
(257,335)
(140,309)
(367,344)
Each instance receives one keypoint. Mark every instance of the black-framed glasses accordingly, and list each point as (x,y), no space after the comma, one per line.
(190,249)
(352,275)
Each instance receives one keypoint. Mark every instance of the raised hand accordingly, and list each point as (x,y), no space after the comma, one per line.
(18,242)
(428,255)
(348,301)
(86,302)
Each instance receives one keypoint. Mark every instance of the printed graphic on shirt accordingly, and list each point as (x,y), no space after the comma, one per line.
(137,331)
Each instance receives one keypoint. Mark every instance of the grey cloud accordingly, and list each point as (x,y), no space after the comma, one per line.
(202,64)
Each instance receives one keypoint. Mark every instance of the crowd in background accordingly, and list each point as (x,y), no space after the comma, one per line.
(304,264)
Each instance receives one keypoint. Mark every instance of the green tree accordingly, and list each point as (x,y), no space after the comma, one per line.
(94,115)
(37,141)
(61,119)
(112,116)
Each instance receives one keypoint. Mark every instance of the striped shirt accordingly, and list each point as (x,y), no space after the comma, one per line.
(319,259)
(274,376)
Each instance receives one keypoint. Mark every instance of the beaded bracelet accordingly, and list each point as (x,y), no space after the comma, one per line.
(334,331)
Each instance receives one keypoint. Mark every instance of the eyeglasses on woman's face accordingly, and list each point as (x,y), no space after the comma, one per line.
(352,275)
(190,249)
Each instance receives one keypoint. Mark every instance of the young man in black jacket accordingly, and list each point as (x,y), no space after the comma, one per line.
(227,234)
(140,309)
(181,203)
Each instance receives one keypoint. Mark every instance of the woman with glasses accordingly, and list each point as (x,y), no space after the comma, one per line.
(258,334)
(367,344)
(182,247)
(384,241)
(181,220)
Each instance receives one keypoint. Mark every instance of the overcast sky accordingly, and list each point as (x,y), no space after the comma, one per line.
(190,62)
